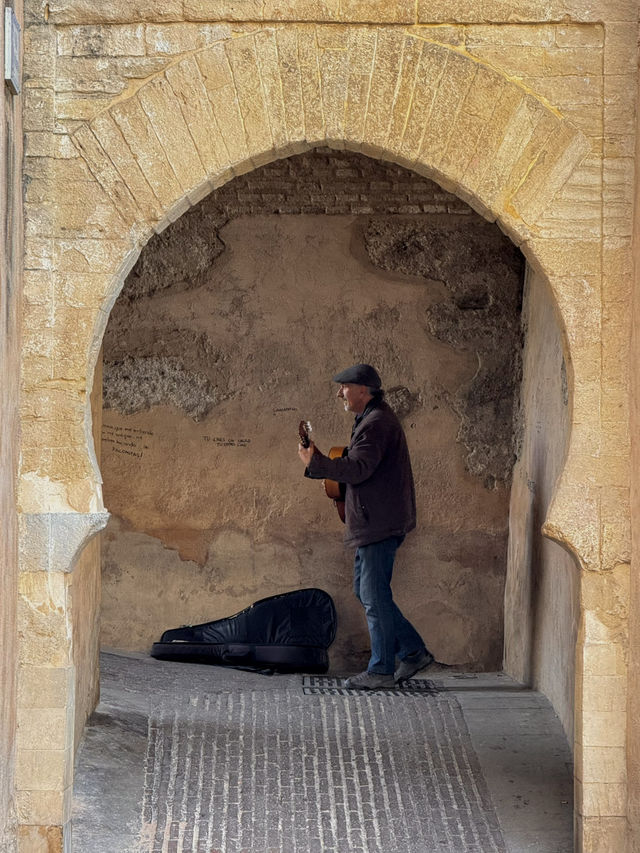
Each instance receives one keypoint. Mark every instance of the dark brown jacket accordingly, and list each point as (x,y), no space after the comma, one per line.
(380,499)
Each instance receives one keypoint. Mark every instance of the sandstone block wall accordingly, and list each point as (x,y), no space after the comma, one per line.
(633,754)
(10,311)
(135,112)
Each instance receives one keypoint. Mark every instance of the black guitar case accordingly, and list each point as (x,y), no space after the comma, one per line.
(290,632)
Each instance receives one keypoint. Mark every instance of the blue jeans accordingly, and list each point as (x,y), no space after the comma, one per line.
(391,634)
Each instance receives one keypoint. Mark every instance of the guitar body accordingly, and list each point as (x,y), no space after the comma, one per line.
(334,490)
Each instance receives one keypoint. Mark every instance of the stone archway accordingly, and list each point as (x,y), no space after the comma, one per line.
(221,111)
(153,154)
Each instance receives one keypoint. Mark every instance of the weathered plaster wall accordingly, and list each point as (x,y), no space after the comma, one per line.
(85,601)
(206,379)
(10,321)
(543,582)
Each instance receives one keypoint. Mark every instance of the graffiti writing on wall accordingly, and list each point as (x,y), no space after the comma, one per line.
(128,441)
(219,441)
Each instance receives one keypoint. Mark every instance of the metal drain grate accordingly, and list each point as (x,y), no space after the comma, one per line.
(324,685)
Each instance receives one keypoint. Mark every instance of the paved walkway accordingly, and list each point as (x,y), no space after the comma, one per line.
(180,758)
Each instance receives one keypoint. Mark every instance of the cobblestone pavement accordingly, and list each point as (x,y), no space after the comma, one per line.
(326,773)
(184,759)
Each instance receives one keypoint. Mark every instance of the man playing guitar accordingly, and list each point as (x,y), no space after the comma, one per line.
(380,509)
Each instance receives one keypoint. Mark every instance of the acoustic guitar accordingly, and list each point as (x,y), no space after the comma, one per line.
(333,490)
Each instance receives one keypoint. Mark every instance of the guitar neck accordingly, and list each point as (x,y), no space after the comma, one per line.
(304,433)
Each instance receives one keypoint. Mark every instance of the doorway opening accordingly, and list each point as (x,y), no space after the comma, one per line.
(227,332)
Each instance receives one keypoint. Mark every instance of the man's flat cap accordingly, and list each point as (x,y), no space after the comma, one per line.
(359,374)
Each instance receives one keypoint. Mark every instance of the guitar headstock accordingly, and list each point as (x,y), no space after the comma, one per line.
(304,433)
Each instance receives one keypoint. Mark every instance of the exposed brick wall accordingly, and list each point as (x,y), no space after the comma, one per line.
(334,182)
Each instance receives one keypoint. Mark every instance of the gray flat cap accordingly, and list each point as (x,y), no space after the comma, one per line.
(360,374)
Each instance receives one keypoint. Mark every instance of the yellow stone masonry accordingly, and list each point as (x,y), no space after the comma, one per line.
(134,112)
(350,11)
